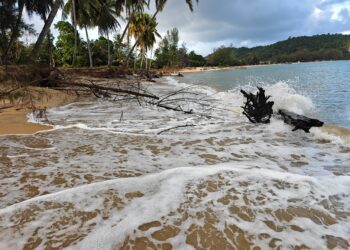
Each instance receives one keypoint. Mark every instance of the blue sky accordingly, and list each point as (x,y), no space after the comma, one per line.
(246,22)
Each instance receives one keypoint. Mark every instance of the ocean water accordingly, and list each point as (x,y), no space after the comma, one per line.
(327,84)
(103,180)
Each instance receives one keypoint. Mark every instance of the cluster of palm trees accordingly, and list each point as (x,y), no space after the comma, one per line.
(103,14)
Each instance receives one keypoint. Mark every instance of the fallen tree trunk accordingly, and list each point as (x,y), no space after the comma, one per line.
(95,89)
(299,121)
(176,101)
(110,89)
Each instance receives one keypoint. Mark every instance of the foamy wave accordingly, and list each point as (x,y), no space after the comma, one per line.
(332,133)
(119,209)
(285,97)
(199,88)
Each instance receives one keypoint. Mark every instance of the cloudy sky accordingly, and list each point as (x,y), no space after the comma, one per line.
(247,22)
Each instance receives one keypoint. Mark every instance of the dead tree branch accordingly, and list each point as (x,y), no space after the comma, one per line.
(181,126)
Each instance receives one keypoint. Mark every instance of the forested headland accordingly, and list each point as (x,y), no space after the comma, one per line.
(295,49)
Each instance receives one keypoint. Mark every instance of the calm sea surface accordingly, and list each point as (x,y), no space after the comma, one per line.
(327,84)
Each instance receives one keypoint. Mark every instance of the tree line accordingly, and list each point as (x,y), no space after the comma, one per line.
(106,15)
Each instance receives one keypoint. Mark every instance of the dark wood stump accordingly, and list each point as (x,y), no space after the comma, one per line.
(257,107)
(299,121)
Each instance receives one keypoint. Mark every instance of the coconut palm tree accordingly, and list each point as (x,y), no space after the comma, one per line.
(86,14)
(160,4)
(103,16)
(8,19)
(31,6)
(54,9)
(15,33)
(144,29)
(132,7)
(106,21)
(42,8)
(82,13)
(73,7)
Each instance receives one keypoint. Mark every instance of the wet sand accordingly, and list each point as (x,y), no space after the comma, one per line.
(14,120)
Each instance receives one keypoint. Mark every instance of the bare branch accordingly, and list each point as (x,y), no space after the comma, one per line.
(181,126)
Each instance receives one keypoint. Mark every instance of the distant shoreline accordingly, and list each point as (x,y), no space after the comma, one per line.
(218,68)
(206,69)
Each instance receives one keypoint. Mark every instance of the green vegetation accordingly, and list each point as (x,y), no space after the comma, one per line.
(295,49)
(70,49)
(170,54)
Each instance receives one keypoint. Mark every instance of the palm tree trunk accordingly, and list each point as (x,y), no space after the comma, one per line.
(109,51)
(49,45)
(15,32)
(122,37)
(50,48)
(89,47)
(132,50)
(75,33)
(141,64)
(45,29)
(138,40)
(150,65)
(150,61)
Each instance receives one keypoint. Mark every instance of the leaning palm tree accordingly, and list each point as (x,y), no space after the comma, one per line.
(15,32)
(42,8)
(160,4)
(144,29)
(132,8)
(21,5)
(54,9)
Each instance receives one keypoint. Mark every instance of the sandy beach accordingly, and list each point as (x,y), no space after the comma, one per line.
(14,120)
(205,69)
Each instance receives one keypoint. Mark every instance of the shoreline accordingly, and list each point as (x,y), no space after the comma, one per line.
(210,68)
(221,68)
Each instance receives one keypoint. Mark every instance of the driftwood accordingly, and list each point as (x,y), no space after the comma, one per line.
(299,121)
(98,88)
(258,110)
(257,107)
(176,101)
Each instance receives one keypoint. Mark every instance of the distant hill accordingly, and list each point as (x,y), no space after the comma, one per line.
(295,49)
